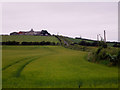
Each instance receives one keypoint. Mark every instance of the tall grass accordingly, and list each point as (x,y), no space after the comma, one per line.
(53,67)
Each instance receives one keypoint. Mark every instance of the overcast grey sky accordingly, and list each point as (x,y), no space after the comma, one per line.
(86,19)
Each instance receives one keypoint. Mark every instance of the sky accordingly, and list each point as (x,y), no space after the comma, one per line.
(73,19)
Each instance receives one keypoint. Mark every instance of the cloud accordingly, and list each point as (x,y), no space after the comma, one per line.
(71,19)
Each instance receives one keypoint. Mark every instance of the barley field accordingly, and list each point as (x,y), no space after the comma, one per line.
(53,67)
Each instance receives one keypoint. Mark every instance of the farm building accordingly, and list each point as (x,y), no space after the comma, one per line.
(31,32)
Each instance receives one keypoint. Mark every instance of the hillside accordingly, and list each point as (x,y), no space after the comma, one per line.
(63,66)
(32,38)
(78,40)
(53,67)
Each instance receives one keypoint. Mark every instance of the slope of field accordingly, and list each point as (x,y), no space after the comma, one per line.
(29,38)
(77,40)
(52,67)
(87,40)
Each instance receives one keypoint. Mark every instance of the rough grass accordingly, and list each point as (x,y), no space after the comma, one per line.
(53,67)
(29,38)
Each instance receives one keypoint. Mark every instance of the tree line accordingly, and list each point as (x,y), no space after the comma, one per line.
(96,43)
(28,43)
(116,45)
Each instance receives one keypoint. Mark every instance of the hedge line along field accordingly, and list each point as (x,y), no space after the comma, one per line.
(29,38)
(53,67)
(90,41)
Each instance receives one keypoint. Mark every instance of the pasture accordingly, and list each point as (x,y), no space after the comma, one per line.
(29,38)
(53,67)
(86,40)
(77,40)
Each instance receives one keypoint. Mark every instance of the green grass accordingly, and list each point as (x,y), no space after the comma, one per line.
(77,40)
(53,67)
(74,40)
(29,38)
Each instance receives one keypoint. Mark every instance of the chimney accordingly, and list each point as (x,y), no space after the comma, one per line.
(104,36)
(97,37)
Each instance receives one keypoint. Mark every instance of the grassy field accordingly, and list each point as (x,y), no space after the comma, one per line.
(77,40)
(53,67)
(29,38)
(90,41)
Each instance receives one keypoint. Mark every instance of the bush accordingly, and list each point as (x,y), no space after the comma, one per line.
(82,43)
(28,43)
(116,45)
(102,44)
(109,56)
(95,43)
(98,50)
(53,43)
(10,43)
(118,55)
(37,43)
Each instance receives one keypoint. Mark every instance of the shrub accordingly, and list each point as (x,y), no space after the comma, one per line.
(53,43)
(109,56)
(98,51)
(10,43)
(95,43)
(118,55)
(116,45)
(102,44)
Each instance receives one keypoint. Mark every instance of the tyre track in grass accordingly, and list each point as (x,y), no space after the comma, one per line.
(18,73)
(23,59)
(20,60)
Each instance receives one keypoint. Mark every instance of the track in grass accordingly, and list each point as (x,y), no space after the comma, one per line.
(23,66)
(54,67)
(15,63)
(26,63)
